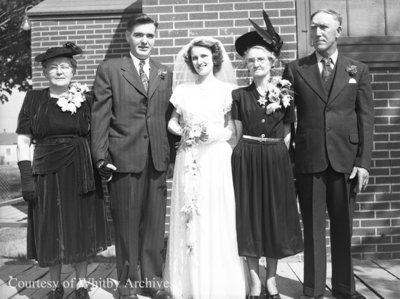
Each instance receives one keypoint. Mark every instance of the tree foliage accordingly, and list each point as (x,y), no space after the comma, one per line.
(15,48)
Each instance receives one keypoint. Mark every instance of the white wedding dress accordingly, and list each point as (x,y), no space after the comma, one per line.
(202,257)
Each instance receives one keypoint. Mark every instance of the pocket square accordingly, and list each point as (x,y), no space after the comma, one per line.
(352,81)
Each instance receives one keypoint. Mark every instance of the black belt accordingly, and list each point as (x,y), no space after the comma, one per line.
(55,139)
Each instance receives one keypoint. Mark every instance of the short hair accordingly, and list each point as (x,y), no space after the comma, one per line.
(216,52)
(140,19)
(72,61)
(331,12)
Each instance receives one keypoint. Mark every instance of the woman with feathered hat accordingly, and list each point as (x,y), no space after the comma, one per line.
(266,212)
(66,223)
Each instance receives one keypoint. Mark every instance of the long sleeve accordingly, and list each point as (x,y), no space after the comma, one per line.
(365,115)
(101,113)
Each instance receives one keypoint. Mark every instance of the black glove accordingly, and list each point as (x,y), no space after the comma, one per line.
(27,183)
(105,169)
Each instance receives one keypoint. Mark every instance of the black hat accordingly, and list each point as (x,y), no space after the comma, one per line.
(67,50)
(267,38)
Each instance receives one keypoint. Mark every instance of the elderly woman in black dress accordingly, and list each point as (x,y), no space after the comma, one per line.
(66,223)
(266,210)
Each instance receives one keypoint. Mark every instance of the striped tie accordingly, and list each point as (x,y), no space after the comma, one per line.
(326,69)
(143,76)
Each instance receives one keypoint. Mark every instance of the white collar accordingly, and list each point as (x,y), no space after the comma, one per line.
(334,57)
(136,62)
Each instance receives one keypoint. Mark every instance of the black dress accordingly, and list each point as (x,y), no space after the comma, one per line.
(67,223)
(266,209)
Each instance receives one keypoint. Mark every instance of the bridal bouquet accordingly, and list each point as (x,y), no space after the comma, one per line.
(73,98)
(278,95)
(194,133)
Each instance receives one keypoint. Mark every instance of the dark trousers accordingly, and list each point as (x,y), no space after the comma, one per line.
(317,192)
(138,205)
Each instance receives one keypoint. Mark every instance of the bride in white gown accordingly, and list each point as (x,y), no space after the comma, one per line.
(202,256)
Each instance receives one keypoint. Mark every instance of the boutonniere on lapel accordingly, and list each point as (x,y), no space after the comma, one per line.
(162,74)
(352,71)
(278,94)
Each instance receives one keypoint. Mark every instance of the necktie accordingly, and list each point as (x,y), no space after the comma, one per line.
(326,69)
(143,76)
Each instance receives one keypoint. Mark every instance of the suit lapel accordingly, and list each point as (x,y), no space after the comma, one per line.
(154,80)
(131,75)
(341,78)
(309,71)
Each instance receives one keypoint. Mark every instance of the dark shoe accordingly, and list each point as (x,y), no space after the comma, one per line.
(128,297)
(253,297)
(127,292)
(58,293)
(274,296)
(82,293)
(162,294)
(357,295)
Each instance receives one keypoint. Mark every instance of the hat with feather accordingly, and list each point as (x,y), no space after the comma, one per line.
(267,38)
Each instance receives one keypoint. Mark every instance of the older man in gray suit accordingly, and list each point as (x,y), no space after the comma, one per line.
(333,141)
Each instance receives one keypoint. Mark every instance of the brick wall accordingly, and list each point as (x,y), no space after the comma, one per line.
(377,220)
(377,216)
(182,20)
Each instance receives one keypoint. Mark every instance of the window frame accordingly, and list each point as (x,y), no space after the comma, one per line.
(376,51)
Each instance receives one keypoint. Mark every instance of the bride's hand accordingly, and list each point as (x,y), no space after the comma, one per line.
(218,134)
(204,136)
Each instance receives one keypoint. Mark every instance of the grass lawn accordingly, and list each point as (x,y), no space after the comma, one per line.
(10,182)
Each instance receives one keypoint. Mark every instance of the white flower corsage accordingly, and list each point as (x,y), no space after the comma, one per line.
(278,94)
(351,70)
(73,98)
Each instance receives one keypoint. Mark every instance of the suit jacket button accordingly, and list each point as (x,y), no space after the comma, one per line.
(328,128)
(145,136)
(263,120)
(262,135)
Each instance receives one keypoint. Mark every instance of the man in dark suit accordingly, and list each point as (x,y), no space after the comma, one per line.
(333,145)
(132,150)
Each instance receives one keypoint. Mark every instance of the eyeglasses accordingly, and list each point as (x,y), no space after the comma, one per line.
(63,67)
(260,60)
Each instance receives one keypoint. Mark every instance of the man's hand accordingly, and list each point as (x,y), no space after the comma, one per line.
(170,170)
(362,177)
(105,170)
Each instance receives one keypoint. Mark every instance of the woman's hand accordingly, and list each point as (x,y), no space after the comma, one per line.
(25,168)
(287,135)
(218,134)
(27,182)
(173,125)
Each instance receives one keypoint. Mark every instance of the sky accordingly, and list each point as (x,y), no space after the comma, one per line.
(9,112)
